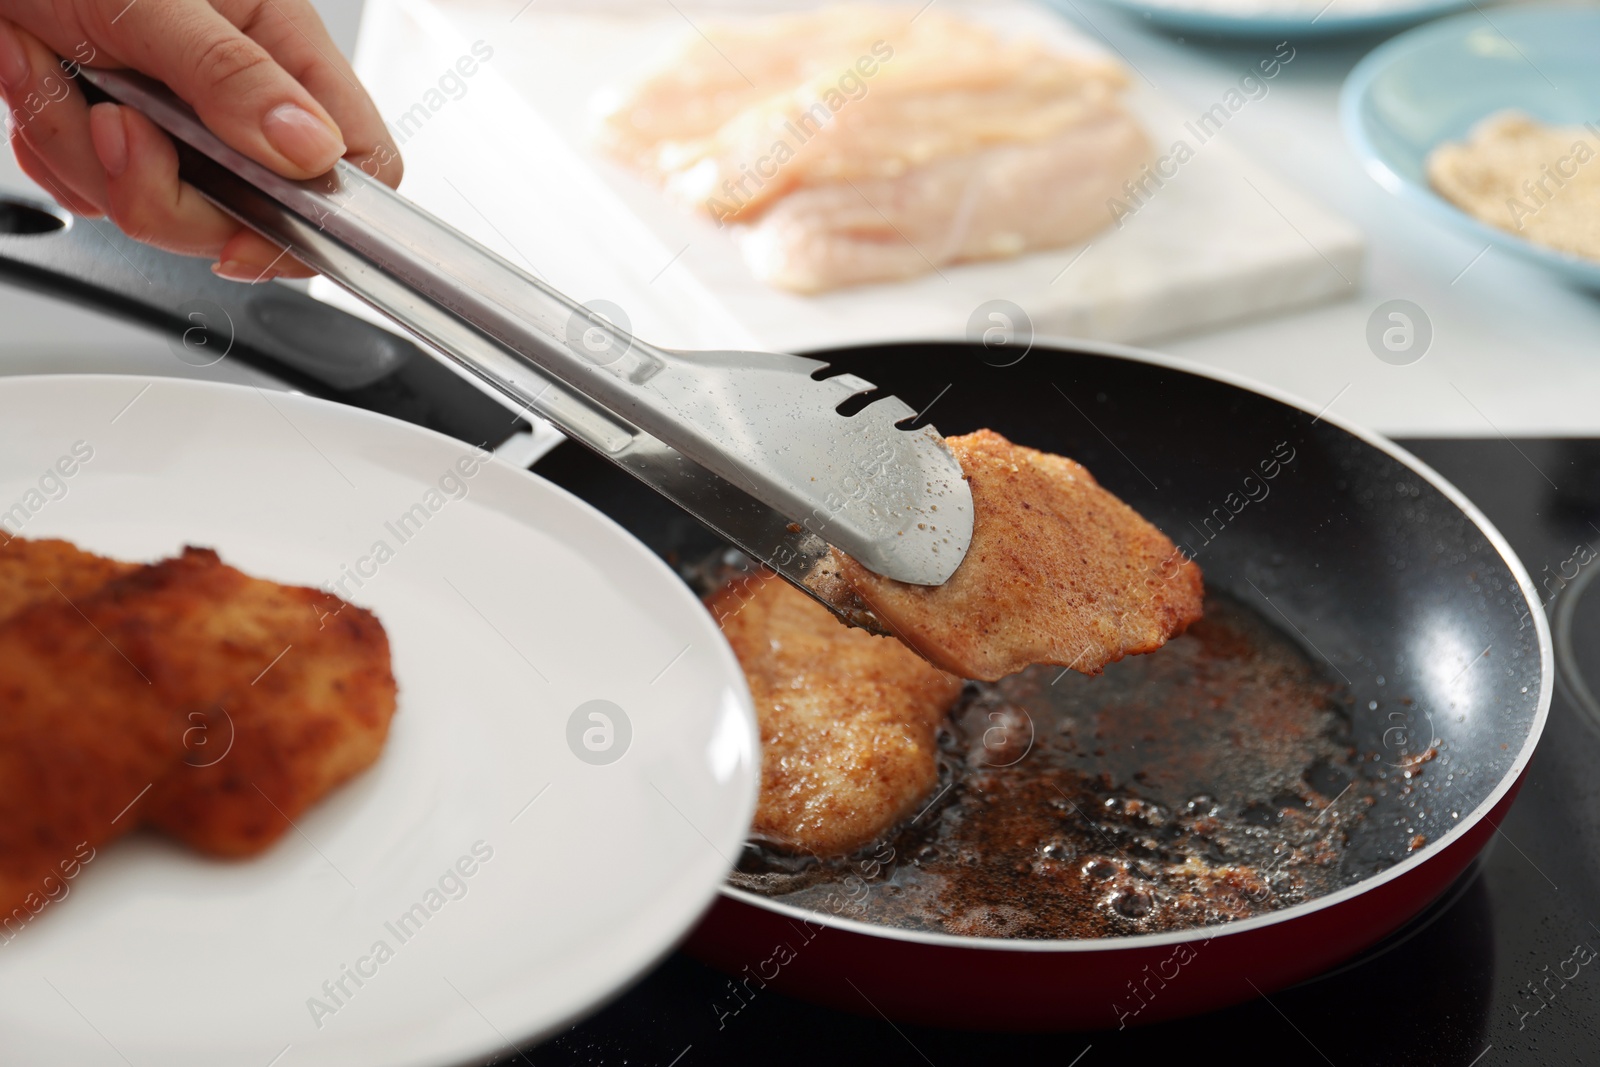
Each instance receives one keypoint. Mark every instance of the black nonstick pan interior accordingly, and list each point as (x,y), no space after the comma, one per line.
(1371,567)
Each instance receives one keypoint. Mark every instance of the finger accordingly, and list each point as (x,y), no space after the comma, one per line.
(249,257)
(45,178)
(150,203)
(147,200)
(50,116)
(294,35)
(233,83)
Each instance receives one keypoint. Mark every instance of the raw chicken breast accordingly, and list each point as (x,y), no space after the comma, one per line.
(865,143)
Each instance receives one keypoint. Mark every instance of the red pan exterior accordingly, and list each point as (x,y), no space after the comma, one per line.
(1008,989)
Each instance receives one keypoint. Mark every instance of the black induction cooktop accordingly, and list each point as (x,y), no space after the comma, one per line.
(1503,969)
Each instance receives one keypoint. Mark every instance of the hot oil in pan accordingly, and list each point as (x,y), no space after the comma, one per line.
(1209,781)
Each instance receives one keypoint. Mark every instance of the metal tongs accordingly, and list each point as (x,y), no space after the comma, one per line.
(751,444)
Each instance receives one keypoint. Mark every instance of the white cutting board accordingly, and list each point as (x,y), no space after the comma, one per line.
(505,156)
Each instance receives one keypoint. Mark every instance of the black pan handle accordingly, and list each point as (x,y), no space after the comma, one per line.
(315,347)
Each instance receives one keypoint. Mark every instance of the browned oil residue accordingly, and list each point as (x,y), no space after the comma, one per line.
(1189,787)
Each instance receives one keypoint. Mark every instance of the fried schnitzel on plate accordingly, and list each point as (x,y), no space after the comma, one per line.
(571,764)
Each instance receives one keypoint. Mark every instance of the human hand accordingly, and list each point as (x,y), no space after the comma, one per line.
(262,74)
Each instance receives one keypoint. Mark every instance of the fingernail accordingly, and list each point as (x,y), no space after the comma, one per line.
(306,140)
(238,271)
(14,68)
(109,135)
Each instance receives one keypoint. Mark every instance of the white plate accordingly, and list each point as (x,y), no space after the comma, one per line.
(1259,19)
(1434,84)
(508,609)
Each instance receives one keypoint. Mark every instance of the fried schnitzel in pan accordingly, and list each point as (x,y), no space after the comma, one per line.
(1059,571)
(847,718)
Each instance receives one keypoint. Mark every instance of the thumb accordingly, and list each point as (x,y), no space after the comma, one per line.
(237,88)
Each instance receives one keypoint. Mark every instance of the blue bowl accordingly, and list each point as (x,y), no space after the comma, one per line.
(1436,82)
(1290,26)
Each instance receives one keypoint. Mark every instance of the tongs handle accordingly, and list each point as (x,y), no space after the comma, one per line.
(441,285)
(895,500)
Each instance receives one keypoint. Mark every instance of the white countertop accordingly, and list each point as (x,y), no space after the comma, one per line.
(43,336)
(1514,350)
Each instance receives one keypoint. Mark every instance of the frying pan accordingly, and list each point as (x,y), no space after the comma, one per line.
(1372,561)
(1369,560)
